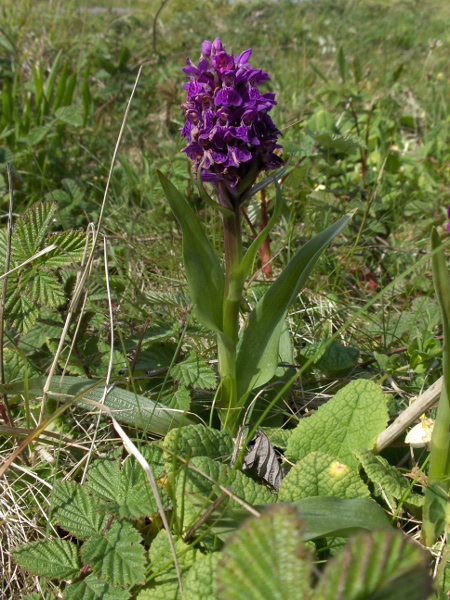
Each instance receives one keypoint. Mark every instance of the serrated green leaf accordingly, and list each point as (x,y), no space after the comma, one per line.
(319,474)
(126,492)
(71,247)
(45,289)
(30,230)
(37,134)
(194,372)
(266,559)
(116,557)
(200,581)
(164,586)
(335,361)
(91,588)
(180,398)
(353,418)
(72,115)
(21,313)
(56,559)
(257,356)
(197,440)
(387,477)
(380,565)
(76,511)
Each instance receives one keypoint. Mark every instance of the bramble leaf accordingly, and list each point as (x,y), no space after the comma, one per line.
(266,559)
(353,418)
(388,478)
(194,372)
(117,556)
(319,474)
(200,581)
(198,440)
(91,588)
(380,565)
(75,510)
(56,559)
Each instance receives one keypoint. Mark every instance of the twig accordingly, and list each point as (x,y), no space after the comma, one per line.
(406,418)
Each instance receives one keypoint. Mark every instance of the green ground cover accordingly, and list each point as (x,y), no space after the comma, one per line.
(362,91)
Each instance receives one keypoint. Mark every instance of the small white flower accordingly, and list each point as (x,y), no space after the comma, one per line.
(420,435)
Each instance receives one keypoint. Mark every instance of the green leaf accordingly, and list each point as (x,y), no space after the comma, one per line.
(37,134)
(257,357)
(278,437)
(200,581)
(335,361)
(56,559)
(116,557)
(71,115)
(319,474)
(30,230)
(380,565)
(45,289)
(21,312)
(128,408)
(353,418)
(91,588)
(266,559)
(164,586)
(203,270)
(329,516)
(126,492)
(76,510)
(197,440)
(194,372)
(71,247)
(388,478)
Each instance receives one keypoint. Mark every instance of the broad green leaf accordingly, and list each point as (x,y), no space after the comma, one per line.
(198,440)
(319,474)
(335,360)
(179,398)
(126,492)
(200,581)
(388,478)
(44,288)
(71,115)
(194,372)
(266,559)
(56,559)
(164,585)
(71,247)
(257,357)
(328,516)
(76,511)
(37,134)
(380,565)
(203,271)
(278,437)
(21,313)
(128,408)
(91,588)
(116,557)
(353,418)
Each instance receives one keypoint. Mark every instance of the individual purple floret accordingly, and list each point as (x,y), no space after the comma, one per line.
(230,135)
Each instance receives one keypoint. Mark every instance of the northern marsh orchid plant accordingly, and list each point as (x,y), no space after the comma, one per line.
(231,141)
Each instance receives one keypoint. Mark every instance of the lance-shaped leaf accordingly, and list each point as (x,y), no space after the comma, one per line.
(128,408)
(203,271)
(257,357)
(436,494)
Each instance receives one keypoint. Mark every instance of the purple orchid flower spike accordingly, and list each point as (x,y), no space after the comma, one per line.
(230,134)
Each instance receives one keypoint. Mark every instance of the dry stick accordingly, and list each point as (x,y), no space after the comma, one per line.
(83,275)
(4,406)
(406,418)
